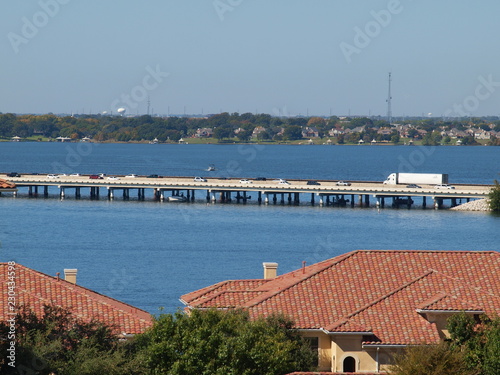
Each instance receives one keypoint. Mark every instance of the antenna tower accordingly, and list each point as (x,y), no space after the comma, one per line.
(389,98)
(149,103)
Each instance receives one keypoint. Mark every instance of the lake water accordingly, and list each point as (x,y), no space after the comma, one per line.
(148,254)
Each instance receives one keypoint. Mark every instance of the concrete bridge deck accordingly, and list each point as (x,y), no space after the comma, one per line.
(272,186)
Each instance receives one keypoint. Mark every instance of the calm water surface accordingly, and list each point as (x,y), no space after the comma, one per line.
(148,254)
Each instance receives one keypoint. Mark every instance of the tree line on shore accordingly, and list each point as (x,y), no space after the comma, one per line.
(237,127)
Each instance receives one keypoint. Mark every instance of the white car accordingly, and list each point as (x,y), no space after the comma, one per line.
(245,181)
(343,183)
(52,176)
(131,176)
(75,174)
(283,182)
(112,178)
(444,186)
(200,179)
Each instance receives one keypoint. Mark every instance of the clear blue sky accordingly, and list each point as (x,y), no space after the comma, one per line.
(269,56)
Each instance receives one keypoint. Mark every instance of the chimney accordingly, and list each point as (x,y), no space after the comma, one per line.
(70,275)
(270,270)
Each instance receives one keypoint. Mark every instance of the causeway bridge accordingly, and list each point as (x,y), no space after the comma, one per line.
(325,192)
(216,189)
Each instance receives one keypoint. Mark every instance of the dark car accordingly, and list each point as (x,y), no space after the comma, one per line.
(154,176)
(260,179)
(313,183)
(13,174)
(95,177)
(413,186)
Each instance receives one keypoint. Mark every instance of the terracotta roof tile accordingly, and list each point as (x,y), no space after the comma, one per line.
(371,290)
(36,289)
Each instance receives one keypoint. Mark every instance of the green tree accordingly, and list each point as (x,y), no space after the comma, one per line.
(494,197)
(59,343)
(440,359)
(224,342)
(292,132)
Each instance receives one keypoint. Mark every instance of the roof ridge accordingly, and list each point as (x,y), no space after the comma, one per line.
(89,293)
(268,294)
(381,298)
(477,289)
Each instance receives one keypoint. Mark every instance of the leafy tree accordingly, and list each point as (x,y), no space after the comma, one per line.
(222,132)
(59,343)
(494,197)
(292,132)
(244,135)
(440,359)
(224,342)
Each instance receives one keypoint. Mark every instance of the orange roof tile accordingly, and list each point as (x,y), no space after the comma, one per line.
(36,289)
(375,291)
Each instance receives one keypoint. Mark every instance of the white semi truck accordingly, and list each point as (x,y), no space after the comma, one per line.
(416,178)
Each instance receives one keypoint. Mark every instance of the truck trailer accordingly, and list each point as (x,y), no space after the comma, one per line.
(416,178)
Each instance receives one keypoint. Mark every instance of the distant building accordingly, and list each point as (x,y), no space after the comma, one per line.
(35,289)
(204,133)
(310,132)
(359,309)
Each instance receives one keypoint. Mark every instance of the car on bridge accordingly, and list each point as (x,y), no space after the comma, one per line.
(343,183)
(52,176)
(444,186)
(245,181)
(131,176)
(199,179)
(413,186)
(95,177)
(13,174)
(283,182)
(113,178)
(311,182)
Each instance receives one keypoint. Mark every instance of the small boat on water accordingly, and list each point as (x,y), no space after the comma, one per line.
(211,168)
(177,198)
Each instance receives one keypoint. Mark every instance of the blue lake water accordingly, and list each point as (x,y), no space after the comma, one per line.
(148,254)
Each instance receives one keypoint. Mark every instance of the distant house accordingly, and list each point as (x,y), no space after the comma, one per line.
(257,130)
(35,289)
(310,132)
(204,133)
(359,309)
(334,132)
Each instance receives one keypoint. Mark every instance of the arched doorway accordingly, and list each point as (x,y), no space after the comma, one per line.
(349,364)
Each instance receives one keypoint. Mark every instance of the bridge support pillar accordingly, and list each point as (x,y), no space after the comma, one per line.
(296,199)
(46,191)
(245,197)
(77,193)
(282,201)
(208,196)
(36,190)
(274,198)
(30,191)
(61,192)
(312,199)
(453,202)
(424,201)
(352,200)
(259,197)
(438,203)
(409,202)
(266,199)
(289,198)
(367,200)
(321,202)
(213,199)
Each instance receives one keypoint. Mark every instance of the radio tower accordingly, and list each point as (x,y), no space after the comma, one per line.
(389,98)
(149,103)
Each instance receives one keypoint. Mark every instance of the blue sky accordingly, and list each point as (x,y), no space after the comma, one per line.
(284,57)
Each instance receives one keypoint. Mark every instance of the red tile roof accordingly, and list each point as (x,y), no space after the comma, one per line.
(35,289)
(382,292)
